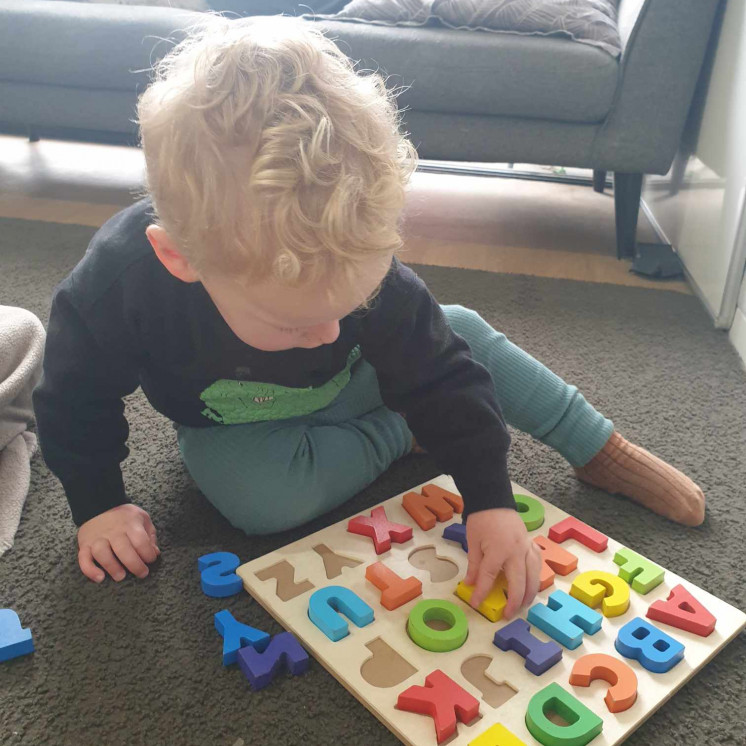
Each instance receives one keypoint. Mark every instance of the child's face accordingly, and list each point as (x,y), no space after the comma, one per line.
(272,317)
(269,316)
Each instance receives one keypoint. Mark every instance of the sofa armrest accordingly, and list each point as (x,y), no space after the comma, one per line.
(664,44)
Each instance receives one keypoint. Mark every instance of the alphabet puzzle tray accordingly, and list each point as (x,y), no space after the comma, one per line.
(609,638)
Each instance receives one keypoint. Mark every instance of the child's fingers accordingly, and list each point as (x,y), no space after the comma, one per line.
(533,573)
(143,544)
(489,568)
(128,556)
(152,535)
(102,553)
(89,568)
(474,559)
(515,573)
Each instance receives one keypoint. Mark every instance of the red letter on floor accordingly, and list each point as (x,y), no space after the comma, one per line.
(444,700)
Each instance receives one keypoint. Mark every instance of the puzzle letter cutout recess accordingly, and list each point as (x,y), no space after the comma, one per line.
(378,601)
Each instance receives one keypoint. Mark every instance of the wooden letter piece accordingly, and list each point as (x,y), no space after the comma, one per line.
(456,532)
(655,650)
(622,693)
(584,726)
(572,528)
(497,735)
(437,640)
(283,651)
(493,606)
(530,510)
(14,639)
(217,574)
(236,634)
(395,591)
(554,559)
(596,587)
(565,619)
(682,610)
(643,575)
(540,656)
(434,503)
(444,700)
(380,529)
(326,603)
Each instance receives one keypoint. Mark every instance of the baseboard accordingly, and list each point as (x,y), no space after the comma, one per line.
(737,333)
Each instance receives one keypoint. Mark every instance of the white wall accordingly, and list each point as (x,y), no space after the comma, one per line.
(701,218)
(737,332)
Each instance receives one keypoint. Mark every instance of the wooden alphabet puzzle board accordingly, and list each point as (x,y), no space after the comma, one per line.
(379,661)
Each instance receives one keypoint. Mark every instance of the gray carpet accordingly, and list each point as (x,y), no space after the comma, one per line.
(139,662)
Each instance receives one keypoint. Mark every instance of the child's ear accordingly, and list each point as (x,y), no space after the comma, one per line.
(170,257)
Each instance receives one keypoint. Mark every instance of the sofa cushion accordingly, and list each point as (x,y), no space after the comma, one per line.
(85,45)
(111,47)
(586,21)
(465,72)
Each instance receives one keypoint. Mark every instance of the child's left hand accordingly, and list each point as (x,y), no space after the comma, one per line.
(497,541)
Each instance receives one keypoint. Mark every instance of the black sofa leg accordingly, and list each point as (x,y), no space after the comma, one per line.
(627,191)
(33,135)
(599,181)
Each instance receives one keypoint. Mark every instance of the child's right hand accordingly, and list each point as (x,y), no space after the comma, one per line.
(124,535)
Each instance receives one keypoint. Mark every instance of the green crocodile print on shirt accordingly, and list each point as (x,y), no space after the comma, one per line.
(240,402)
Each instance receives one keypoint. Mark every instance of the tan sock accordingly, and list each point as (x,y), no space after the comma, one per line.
(622,468)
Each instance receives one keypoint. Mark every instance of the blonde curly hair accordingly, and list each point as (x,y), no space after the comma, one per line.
(268,156)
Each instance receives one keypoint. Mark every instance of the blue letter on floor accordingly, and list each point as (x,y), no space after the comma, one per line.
(218,578)
(14,639)
(237,634)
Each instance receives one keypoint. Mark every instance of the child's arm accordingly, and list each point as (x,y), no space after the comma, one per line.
(83,432)
(427,372)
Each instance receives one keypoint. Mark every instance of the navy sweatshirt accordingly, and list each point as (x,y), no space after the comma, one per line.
(120,321)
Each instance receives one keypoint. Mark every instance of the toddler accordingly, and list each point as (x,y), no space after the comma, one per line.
(255,295)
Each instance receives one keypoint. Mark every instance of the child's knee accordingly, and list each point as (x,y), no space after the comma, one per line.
(269,510)
(261,485)
(468,324)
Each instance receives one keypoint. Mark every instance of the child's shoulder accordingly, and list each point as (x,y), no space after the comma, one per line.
(118,251)
(401,290)
(402,280)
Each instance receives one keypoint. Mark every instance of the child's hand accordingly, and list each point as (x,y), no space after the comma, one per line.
(497,541)
(124,535)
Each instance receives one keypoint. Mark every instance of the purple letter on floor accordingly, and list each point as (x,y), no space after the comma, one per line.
(261,668)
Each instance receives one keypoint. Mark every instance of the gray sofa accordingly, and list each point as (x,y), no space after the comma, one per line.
(74,70)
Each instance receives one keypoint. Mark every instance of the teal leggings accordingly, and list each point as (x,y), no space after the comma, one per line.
(270,476)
